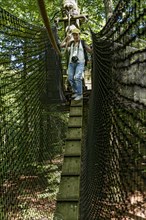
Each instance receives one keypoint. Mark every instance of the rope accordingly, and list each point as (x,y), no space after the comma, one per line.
(47,24)
(68,22)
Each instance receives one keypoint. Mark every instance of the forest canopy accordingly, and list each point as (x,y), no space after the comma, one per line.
(29,11)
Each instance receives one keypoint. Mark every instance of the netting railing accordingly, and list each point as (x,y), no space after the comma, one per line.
(113,183)
(30,86)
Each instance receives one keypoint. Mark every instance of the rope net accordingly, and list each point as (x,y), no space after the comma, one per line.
(31,130)
(113,180)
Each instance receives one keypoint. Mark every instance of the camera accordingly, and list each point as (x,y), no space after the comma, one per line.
(74,59)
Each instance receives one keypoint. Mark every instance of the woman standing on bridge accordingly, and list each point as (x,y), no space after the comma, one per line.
(76,64)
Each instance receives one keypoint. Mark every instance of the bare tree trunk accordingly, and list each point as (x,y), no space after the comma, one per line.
(108,8)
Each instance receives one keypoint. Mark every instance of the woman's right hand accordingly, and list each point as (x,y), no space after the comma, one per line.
(68,37)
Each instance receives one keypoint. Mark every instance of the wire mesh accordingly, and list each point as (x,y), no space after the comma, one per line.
(113,181)
(30,86)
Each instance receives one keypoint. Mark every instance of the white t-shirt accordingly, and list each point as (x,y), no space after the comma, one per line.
(77,50)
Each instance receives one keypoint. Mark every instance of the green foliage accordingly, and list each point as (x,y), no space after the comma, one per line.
(96,15)
(29,11)
(26,10)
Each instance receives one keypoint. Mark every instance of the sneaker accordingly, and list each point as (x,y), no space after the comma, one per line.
(74,95)
(79,97)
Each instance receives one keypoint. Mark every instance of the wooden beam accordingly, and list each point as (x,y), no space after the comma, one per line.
(82,16)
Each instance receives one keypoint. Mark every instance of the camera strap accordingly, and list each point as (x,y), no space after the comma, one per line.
(77,49)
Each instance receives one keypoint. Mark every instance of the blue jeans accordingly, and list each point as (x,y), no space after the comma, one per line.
(75,71)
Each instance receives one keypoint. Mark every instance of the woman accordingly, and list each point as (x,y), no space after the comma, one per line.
(76,62)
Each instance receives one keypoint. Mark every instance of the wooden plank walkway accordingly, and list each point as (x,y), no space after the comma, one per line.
(69,192)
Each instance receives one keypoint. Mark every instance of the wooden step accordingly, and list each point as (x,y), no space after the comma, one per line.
(69,188)
(76,111)
(74,133)
(71,166)
(67,211)
(75,121)
(76,103)
(72,148)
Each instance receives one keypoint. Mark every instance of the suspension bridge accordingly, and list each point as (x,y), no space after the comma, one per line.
(103,175)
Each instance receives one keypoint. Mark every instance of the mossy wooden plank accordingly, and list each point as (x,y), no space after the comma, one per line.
(76,111)
(71,165)
(67,211)
(76,103)
(73,148)
(75,121)
(74,133)
(69,188)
